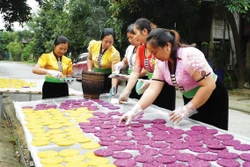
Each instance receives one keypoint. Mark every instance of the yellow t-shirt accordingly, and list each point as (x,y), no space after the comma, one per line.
(49,62)
(111,56)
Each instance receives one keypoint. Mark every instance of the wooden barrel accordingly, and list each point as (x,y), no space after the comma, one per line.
(92,84)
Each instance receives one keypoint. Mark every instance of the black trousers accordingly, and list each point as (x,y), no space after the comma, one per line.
(52,90)
(215,110)
(166,99)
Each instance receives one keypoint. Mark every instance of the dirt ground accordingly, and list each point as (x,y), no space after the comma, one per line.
(9,150)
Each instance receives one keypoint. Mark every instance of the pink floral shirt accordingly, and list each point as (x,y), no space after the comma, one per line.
(191,67)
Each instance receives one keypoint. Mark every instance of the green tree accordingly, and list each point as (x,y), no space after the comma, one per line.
(16,49)
(15,11)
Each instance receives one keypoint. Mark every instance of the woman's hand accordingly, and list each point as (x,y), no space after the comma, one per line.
(130,115)
(182,112)
(53,73)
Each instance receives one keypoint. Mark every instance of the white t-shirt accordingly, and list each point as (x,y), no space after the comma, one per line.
(130,54)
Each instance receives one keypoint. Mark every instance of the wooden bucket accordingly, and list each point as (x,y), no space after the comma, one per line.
(92,84)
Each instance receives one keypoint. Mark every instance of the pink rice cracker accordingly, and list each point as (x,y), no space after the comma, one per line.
(176,164)
(149,151)
(199,128)
(168,151)
(246,164)
(207,156)
(122,155)
(231,142)
(185,157)
(198,163)
(242,147)
(153,164)
(104,152)
(125,162)
(159,121)
(224,137)
(245,156)
(228,155)
(228,163)
(144,158)
(198,149)
(166,159)
(216,146)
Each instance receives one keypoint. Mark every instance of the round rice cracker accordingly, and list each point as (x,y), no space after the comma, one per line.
(104,152)
(198,163)
(151,164)
(125,162)
(224,137)
(168,151)
(166,159)
(245,156)
(149,151)
(228,163)
(228,155)
(117,147)
(144,158)
(242,147)
(207,156)
(185,157)
(176,164)
(231,142)
(122,155)
(246,164)
(199,128)
(198,149)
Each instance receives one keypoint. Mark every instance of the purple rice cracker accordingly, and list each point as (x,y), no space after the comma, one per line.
(104,152)
(125,162)
(207,156)
(144,158)
(168,151)
(149,151)
(122,155)
(185,157)
(245,156)
(228,155)
(228,163)
(198,163)
(166,159)
(242,147)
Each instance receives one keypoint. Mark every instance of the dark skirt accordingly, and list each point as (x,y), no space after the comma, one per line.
(53,90)
(166,98)
(215,110)
(107,83)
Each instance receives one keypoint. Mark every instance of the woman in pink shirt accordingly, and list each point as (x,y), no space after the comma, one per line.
(185,67)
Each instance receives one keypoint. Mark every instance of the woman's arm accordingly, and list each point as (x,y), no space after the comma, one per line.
(207,86)
(90,63)
(37,69)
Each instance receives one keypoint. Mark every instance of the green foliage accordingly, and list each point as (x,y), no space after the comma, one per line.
(15,48)
(237,6)
(14,11)
(230,79)
(27,51)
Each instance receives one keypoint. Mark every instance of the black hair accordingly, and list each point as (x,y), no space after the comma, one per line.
(142,23)
(159,37)
(60,40)
(130,29)
(108,31)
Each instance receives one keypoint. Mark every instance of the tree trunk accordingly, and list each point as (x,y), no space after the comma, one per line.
(240,66)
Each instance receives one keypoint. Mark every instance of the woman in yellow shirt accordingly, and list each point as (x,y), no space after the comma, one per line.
(55,66)
(102,58)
